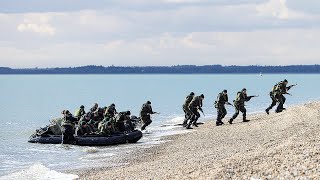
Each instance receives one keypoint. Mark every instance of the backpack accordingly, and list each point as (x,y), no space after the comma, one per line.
(238,97)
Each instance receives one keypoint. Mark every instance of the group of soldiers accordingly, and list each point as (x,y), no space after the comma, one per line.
(102,121)
(106,120)
(193,104)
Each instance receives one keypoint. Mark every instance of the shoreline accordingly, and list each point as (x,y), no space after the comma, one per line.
(281,145)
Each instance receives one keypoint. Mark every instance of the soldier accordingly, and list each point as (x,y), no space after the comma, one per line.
(67,127)
(276,95)
(194,106)
(222,100)
(146,111)
(106,127)
(110,111)
(121,120)
(187,112)
(239,105)
(79,112)
(83,129)
(94,108)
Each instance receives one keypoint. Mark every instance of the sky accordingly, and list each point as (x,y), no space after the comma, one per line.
(64,33)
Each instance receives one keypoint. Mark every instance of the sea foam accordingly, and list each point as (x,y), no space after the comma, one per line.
(38,172)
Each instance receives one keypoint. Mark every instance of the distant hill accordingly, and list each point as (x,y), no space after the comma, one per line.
(180,69)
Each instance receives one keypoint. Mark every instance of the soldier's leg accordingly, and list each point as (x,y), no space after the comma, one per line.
(235,115)
(220,116)
(244,113)
(280,105)
(197,115)
(193,117)
(284,101)
(186,117)
(144,120)
(224,112)
(274,102)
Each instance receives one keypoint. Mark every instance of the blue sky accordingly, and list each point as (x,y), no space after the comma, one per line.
(46,33)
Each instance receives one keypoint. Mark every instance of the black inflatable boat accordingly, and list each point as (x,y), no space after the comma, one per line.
(91,140)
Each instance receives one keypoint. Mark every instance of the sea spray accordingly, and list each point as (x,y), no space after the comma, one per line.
(38,171)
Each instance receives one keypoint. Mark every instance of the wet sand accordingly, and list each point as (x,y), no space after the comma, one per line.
(275,146)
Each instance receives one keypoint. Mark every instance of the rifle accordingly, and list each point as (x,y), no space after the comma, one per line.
(253,96)
(289,87)
(288,94)
(229,104)
(202,112)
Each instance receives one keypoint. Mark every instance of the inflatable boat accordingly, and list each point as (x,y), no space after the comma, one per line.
(90,140)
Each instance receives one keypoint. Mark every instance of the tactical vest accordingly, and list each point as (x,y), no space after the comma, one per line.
(188,100)
(238,97)
(276,87)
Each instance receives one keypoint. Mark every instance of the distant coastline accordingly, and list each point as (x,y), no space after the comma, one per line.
(179,69)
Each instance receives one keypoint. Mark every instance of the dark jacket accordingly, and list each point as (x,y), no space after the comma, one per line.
(241,99)
(222,99)
(196,102)
(80,131)
(146,109)
(188,100)
(111,110)
(69,120)
(121,117)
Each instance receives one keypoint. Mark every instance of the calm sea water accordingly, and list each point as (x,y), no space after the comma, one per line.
(30,101)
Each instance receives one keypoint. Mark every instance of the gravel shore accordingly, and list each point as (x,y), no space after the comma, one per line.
(275,146)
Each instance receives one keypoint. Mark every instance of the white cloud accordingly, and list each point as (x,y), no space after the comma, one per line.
(37,23)
(272,47)
(238,32)
(278,9)
(37,28)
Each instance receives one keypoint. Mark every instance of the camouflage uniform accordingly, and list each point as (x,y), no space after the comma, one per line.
(106,127)
(145,112)
(67,128)
(239,104)
(194,106)
(79,113)
(122,120)
(222,99)
(277,96)
(82,131)
(110,111)
(186,110)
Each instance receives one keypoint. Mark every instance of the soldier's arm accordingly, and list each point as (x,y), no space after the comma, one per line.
(289,87)
(248,98)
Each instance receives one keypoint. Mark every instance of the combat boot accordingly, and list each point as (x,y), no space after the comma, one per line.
(219,123)
(267,111)
(195,124)
(189,126)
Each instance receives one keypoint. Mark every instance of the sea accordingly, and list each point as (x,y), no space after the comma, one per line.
(31,101)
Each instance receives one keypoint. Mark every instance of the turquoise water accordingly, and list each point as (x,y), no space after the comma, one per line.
(30,101)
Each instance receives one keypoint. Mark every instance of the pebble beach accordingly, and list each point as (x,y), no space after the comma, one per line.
(275,146)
